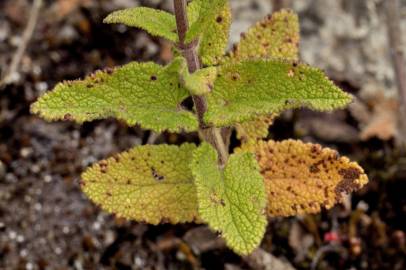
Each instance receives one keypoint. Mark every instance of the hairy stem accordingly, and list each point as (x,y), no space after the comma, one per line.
(210,134)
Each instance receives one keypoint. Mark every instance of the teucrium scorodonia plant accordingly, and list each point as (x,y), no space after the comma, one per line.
(244,89)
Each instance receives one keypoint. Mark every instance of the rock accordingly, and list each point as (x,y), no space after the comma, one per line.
(202,239)
(262,260)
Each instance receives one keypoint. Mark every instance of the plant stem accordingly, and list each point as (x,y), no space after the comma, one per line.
(395,42)
(277,5)
(211,134)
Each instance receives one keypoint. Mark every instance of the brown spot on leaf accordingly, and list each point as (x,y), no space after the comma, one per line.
(235,76)
(316,149)
(153,78)
(348,184)
(103,166)
(216,200)
(68,117)
(219,19)
(156,175)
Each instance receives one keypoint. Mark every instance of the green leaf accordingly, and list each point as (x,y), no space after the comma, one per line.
(143,93)
(207,12)
(202,81)
(149,183)
(257,87)
(231,201)
(156,22)
(276,36)
(214,37)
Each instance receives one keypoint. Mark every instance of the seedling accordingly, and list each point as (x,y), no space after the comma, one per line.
(244,89)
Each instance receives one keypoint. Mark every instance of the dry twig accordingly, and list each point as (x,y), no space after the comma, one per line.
(29,30)
(392,8)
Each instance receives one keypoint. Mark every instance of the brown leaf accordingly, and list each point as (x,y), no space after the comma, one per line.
(302,178)
(383,122)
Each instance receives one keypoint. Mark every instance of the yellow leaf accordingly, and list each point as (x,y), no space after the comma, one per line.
(255,129)
(214,37)
(301,178)
(148,183)
(274,36)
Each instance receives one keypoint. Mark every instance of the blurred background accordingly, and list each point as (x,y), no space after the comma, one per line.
(47,223)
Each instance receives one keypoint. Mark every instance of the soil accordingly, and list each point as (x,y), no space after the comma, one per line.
(47,223)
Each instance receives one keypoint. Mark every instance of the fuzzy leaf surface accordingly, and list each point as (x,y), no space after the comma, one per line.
(156,22)
(255,129)
(276,36)
(207,11)
(148,183)
(302,178)
(232,201)
(138,93)
(252,88)
(214,37)
(202,81)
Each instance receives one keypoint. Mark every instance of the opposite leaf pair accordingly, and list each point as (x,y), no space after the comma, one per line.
(152,96)
(174,184)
